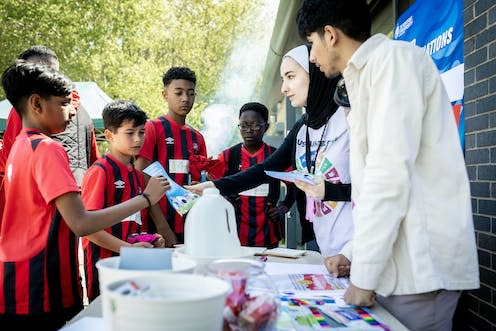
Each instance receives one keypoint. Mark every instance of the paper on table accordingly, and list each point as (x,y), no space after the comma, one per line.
(315,283)
(85,324)
(291,176)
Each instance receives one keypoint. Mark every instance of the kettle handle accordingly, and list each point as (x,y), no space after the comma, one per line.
(227,221)
(230,219)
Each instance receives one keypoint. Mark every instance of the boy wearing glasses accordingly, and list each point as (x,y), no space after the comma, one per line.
(169,140)
(259,219)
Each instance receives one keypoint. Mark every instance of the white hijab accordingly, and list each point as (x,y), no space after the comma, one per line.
(300,55)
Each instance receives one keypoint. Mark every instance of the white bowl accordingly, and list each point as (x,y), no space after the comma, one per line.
(180,302)
(240,252)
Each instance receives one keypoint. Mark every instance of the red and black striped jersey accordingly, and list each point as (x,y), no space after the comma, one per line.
(252,206)
(172,145)
(38,252)
(106,183)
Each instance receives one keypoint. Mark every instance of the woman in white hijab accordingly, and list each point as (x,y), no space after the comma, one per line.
(317,144)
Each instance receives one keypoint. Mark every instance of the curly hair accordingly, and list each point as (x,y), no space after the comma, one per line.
(178,73)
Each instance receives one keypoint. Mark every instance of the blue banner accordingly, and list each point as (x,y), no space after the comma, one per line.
(437,27)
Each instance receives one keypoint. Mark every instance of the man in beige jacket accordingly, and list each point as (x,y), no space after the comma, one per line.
(414,242)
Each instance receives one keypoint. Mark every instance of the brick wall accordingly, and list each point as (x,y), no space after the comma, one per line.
(477,309)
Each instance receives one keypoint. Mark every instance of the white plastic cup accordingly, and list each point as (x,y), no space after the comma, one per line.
(180,302)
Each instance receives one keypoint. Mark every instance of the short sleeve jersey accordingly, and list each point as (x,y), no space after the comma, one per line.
(109,182)
(38,252)
(254,226)
(172,144)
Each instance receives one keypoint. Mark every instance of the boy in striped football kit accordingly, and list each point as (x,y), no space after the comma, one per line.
(44,215)
(169,140)
(113,179)
(260,219)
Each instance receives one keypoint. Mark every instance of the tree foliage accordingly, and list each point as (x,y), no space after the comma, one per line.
(126,45)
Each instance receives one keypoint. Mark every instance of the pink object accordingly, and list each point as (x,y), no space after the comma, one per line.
(142,237)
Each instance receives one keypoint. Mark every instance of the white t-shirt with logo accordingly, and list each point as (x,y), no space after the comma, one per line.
(332,220)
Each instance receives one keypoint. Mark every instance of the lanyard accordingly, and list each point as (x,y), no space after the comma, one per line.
(308,153)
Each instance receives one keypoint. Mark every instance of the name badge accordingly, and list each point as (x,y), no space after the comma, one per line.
(259,191)
(133,218)
(178,166)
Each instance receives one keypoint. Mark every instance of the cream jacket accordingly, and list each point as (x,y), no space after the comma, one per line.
(412,214)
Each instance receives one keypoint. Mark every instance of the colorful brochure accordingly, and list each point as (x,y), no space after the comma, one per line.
(325,312)
(181,199)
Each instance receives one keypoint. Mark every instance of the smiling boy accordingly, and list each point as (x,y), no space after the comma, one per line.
(113,179)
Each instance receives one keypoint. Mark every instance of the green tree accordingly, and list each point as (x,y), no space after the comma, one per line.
(126,45)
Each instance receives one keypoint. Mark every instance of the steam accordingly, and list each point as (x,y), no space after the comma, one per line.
(239,81)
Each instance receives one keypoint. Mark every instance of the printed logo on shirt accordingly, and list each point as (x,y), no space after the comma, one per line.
(119,184)
(196,149)
(169,141)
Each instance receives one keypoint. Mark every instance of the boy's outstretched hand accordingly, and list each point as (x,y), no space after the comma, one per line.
(169,238)
(156,187)
(160,242)
(277,213)
(198,188)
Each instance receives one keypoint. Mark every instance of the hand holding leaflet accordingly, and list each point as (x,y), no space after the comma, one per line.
(292,176)
(181,199)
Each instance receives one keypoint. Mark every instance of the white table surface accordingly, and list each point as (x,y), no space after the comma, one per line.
(94,309)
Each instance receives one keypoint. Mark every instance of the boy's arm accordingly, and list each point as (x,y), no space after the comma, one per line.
(163,227)
(114,244)
(83,222)
(277,213)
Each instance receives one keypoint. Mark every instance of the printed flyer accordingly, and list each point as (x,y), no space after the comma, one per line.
(324,312)
(181,199)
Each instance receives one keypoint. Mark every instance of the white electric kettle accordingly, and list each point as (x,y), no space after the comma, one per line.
(210,229)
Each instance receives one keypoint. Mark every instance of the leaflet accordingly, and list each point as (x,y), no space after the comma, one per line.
(292,176)
(181,199)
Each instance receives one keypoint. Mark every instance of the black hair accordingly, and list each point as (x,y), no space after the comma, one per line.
(256,107)
(352,17)
(178,73)
(44,53)
(23,79)
(116,112)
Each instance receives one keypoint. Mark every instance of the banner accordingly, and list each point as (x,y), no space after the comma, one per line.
(437,27)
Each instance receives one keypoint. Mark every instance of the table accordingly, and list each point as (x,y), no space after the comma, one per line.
(94,309)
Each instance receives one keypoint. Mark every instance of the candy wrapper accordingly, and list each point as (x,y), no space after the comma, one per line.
(244,312)
(259,313)
(181,199)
